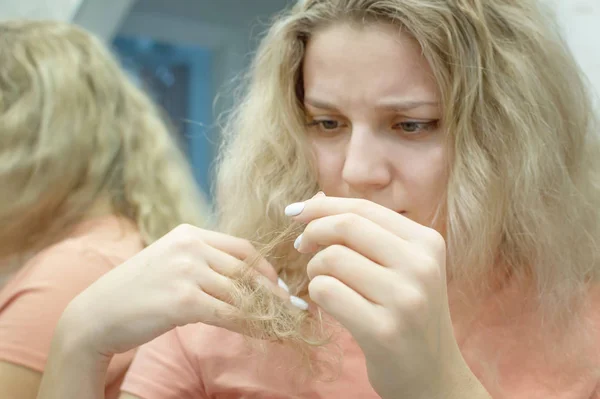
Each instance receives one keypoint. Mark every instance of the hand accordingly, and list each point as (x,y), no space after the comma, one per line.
(383,277)
(182,278)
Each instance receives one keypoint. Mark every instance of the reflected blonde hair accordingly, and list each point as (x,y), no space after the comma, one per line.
(522,193)
(75,131)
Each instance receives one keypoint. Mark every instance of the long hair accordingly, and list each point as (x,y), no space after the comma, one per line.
(74,131)
(523,181)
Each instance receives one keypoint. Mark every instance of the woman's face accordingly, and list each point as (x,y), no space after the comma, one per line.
(373,116)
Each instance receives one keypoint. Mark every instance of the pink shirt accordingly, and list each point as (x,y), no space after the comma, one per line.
(34,298)
(498,341)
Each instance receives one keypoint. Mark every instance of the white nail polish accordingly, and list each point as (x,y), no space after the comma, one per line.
(298,241)
(294,209)
(299,303)
(283,285)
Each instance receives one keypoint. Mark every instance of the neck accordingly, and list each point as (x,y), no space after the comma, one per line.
(102,207)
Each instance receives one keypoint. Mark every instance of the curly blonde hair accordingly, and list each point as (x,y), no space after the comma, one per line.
(75,130)
(523,186)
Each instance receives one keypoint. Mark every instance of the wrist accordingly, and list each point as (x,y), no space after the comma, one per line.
(75,338)
(74,368)
(464,384)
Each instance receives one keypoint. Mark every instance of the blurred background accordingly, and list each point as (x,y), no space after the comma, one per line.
(184,52)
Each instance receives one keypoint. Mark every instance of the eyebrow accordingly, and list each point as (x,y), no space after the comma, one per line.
(388,105)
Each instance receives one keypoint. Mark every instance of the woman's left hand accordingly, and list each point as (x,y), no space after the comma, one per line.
(383,277)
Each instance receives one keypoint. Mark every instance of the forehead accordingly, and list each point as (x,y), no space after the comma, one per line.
(372,61)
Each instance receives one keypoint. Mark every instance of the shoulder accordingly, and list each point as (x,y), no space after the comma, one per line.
(112,237)
(34,298)
(91,250)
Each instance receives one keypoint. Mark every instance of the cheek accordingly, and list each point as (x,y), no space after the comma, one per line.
(330,164)
(424,175)
(425,169)
(433,173)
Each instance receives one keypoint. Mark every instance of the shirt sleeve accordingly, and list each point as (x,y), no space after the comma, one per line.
(161,370)
(32,307)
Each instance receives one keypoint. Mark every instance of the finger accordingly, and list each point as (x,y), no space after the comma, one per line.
(352,310)
(227,267)
(318,207)
(365,277)
(357,233)
(224,288)
(205,308)
(239,248)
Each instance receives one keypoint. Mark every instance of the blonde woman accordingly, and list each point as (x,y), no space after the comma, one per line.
(456,243)
(89,175)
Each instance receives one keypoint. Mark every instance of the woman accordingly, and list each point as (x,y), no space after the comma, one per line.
(90,175)
(457,241)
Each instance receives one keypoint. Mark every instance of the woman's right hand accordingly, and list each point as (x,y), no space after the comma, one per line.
(182,278)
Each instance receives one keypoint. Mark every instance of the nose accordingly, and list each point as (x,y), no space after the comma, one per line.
(366,167)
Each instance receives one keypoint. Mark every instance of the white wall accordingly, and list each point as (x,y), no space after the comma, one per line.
(62,10)
(581,23)
(102,17)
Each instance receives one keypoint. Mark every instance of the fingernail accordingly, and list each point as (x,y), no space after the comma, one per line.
(294,209)
(283,285)
(299,303)
(298,241)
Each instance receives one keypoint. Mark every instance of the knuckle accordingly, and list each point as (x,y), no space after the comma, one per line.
(183,229)
(387,331)
(435,241)
(360,205)
(416,302)
(428,271)
(413,305)
(331,255)
(311,227)
(186,297)
(346,221)
(326,261)
(186,267)
(320,289)
(185,236)
(247,248)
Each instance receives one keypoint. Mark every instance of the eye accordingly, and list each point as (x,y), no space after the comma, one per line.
(329,124)
(413,127)
(326,125)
